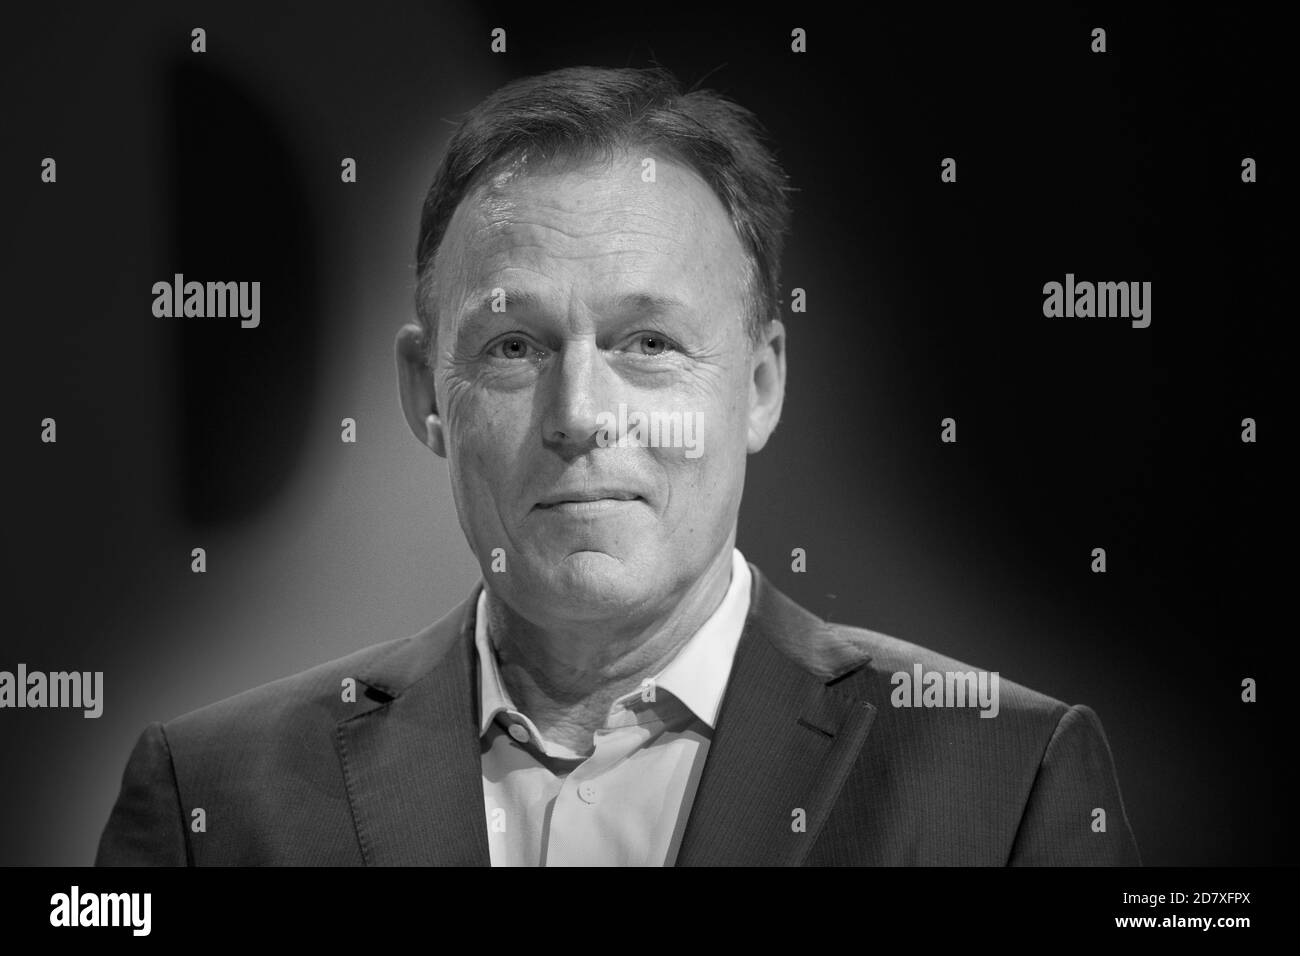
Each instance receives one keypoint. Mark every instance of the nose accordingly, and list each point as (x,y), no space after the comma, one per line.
(575,391)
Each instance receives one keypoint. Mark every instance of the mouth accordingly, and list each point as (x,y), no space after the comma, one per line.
(587,500)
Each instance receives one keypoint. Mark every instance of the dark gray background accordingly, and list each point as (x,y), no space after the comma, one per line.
(924,302)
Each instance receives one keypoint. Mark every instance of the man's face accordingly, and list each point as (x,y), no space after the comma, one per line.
(563,294)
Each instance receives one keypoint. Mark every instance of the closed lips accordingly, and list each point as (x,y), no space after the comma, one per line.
(578,496)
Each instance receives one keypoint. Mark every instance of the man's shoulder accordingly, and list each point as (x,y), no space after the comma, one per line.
(902,663)
(315,692)
(1022,788)
(953,764)
(324,694)
(884,666)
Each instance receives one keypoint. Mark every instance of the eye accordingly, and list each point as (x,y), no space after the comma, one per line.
(650,343)
(511,348)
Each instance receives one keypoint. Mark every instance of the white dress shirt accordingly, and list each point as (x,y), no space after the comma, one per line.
(627,802)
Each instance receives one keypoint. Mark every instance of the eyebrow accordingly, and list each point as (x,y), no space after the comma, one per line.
(646,305)
(515,299)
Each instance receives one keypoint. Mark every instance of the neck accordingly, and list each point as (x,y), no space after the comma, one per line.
(566,678)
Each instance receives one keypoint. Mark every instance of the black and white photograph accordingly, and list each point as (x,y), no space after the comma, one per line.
(449,435)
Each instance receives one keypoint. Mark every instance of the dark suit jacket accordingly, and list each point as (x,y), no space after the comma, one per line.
(289,773)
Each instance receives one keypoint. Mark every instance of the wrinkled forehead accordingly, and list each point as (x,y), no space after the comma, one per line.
(632,223)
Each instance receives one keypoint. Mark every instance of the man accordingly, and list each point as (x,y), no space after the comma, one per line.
(598,352)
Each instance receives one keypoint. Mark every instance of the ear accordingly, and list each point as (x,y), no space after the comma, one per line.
(415,384)
(766,385)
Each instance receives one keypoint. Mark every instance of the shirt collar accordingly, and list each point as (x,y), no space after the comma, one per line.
(697,675)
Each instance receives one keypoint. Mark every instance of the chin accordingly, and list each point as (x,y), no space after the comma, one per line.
(593,581)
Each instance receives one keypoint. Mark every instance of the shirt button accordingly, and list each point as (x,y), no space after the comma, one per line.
(587,791)
(519,732)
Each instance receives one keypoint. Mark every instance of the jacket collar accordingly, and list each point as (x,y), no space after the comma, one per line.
(790,727)
(792,723)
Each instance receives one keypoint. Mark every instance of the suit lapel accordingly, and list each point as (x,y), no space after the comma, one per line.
(792,723)
(411,754)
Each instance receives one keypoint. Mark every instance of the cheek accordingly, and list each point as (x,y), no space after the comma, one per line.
(720,446)
(482,460)
(697,481)
(481,425)
(488,445)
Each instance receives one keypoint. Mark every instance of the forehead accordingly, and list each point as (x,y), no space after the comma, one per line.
(593,231)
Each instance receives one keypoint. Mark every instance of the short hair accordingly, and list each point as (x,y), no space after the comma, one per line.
(577,112)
